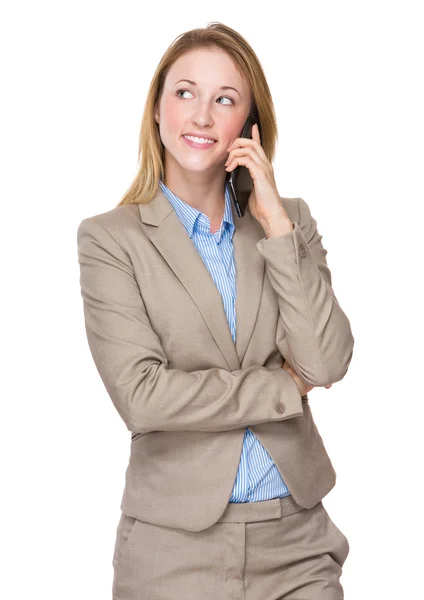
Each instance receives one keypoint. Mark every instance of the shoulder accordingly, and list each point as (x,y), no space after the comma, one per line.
(115,223)
(299,212)
(296,207)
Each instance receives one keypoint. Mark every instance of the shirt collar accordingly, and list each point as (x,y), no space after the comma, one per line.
(191,217)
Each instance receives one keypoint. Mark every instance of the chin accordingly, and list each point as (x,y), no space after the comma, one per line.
(197,168)
(201,166)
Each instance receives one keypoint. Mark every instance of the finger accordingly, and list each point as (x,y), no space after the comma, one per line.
(254,142)
(255,170)
(248,143)
(246,152)
(255,133)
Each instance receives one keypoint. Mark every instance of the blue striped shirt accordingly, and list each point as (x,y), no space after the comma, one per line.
(257,476)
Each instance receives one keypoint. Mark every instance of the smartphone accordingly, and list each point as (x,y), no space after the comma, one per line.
(239,181)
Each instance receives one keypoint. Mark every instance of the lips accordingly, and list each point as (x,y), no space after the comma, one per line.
(203,146)
(199,135)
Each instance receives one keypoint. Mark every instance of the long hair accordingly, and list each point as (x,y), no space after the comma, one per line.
(150,148)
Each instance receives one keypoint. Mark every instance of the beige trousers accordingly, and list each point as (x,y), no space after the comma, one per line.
(270,550)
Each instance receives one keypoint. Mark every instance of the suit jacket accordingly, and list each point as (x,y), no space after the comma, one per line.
(159,337)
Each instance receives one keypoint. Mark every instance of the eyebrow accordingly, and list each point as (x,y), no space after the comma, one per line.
(223,87)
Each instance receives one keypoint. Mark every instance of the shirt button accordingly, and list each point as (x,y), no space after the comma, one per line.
(303,251)
(279,407)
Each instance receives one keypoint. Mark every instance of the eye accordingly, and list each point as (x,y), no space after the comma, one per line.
(227,97)
(178,91)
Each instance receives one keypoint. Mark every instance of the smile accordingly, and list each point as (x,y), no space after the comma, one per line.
(199,143)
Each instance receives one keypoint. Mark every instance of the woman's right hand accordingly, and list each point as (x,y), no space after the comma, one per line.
(303,387)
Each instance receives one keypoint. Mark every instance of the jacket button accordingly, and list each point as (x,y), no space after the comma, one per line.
(279,407)
(303,251)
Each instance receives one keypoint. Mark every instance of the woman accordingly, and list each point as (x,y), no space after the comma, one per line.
(227,469)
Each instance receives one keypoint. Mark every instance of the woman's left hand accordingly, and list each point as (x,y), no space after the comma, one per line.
(264,201)
(292,372)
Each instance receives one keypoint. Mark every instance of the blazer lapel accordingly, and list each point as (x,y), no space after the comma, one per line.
(170,237)
(250,270)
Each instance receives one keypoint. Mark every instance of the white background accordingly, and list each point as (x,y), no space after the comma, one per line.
(347,83)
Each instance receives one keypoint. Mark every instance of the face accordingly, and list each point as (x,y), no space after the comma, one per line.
(202,109)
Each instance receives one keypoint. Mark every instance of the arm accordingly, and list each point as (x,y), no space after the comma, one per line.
(133,366)
(318,332)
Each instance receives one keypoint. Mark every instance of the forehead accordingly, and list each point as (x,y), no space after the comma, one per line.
(207,67)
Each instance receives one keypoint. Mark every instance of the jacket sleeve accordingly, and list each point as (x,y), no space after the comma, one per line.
(317,331)
(128,355)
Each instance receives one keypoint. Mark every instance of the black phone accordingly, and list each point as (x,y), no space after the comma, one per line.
(239,181)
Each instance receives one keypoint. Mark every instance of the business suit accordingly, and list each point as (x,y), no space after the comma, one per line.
(160,340)
(257,478)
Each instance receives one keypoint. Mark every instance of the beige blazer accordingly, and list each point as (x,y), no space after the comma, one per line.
(160,340)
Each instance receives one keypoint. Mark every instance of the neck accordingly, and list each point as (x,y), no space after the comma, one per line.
(207,197)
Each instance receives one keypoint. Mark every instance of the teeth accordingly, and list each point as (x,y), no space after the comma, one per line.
(199,140)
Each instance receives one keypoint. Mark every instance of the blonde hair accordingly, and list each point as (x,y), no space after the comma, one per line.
(150,148)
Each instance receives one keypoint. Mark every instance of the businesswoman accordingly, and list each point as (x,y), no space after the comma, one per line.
(208,330)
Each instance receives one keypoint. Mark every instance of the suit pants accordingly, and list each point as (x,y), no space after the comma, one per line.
(269,550)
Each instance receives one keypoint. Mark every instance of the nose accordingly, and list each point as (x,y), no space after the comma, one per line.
(202,117)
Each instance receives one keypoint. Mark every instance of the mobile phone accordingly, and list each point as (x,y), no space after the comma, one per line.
(239,181)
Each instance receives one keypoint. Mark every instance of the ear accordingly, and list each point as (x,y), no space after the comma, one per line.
(157,113)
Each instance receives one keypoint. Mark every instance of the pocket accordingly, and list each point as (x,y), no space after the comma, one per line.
(124,532)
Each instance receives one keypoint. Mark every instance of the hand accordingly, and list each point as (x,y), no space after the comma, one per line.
(264,201)
(300,383)
(303,387)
